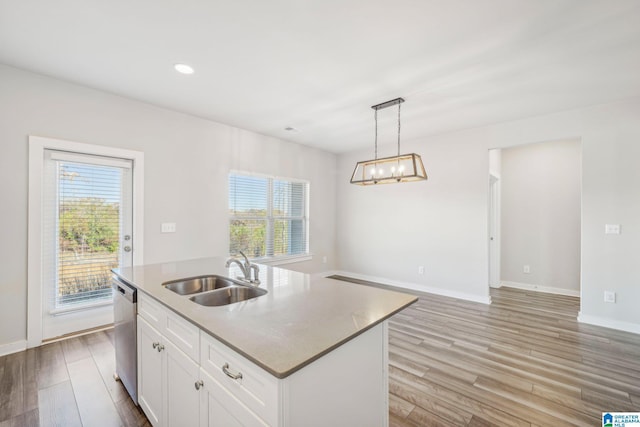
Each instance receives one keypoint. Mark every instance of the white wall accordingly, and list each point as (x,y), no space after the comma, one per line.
(540,212)
(187,160)
(442,223)
(386,232)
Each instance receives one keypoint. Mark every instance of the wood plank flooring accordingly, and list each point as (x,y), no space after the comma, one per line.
(524,360)
(521,361)
(66,383)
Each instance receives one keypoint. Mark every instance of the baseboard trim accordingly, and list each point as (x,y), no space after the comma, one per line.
(416,287)
(609,323)
(324,274)
(13,347)
(538,288)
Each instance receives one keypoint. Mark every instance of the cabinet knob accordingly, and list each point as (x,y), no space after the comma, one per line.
(199,384)
(225,369)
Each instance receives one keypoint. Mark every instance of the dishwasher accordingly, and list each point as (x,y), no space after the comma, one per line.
(125,301)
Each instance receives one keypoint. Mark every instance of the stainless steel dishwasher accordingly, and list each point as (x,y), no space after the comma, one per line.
(125,302)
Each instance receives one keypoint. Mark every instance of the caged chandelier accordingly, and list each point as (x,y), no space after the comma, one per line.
(388,170)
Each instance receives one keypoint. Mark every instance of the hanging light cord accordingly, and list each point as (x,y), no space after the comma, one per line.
(376,143)
(399,104)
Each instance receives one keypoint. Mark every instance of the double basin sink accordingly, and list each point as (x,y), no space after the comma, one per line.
(214,290)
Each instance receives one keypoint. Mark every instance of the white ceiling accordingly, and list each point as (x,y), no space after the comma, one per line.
(318,65)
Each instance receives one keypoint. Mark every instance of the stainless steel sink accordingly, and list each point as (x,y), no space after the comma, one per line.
(199,284)
(227,295)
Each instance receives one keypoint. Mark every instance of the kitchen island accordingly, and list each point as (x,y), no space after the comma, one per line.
(312,351)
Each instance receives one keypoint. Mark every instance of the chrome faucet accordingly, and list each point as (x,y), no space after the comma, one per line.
(246,269)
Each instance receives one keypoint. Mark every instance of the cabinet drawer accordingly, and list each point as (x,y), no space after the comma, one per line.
(218,407)
(182,333)
(256,389)
(152,311)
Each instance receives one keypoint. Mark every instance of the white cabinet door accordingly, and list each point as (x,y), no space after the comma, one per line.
(182,398)
(150,372)
(219,408)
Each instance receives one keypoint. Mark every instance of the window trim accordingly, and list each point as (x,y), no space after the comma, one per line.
(276,259)
(37,145)
(283,259)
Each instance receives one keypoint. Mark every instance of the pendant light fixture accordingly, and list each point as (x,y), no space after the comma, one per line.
(388,170)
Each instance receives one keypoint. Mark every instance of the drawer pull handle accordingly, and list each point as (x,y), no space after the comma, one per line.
(155,345)
(230,374)
(199,384)
(160,348)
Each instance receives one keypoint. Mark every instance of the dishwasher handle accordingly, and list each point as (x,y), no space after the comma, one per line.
(124,290)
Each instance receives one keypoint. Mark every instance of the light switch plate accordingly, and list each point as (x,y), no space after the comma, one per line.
(612,229)
(526,269)
(168,227)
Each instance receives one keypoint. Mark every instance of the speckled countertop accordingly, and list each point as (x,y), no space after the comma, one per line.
(300,319)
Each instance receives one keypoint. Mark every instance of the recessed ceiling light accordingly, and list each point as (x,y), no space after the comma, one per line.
(291,129)
(183,68)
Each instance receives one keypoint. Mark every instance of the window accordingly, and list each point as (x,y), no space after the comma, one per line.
(268,216)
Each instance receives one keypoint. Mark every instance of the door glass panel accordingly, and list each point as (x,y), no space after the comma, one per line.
(89,217)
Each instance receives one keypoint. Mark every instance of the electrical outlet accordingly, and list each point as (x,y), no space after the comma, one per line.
(609,296)
(421,269)
(526,269)
(168,227)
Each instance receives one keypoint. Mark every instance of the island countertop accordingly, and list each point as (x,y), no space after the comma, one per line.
(300,319)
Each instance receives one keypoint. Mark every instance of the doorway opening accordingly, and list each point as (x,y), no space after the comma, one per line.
(535,217)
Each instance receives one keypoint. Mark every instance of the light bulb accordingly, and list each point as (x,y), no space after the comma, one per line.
(393,170)
(380,171)
(401,168)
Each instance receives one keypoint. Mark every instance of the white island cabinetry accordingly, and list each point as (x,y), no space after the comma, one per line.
(168,369)
(207,383)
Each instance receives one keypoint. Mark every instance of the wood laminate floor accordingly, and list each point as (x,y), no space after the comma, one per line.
(67,383)
(524,360)
(521,361)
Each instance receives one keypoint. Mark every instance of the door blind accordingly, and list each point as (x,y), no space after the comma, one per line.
(84,202)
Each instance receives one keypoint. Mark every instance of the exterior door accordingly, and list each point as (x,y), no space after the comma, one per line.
(87,231)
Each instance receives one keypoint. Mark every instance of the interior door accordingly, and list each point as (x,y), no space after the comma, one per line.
(87,231)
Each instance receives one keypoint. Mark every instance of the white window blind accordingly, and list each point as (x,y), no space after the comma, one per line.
(268,217)
(84,200)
